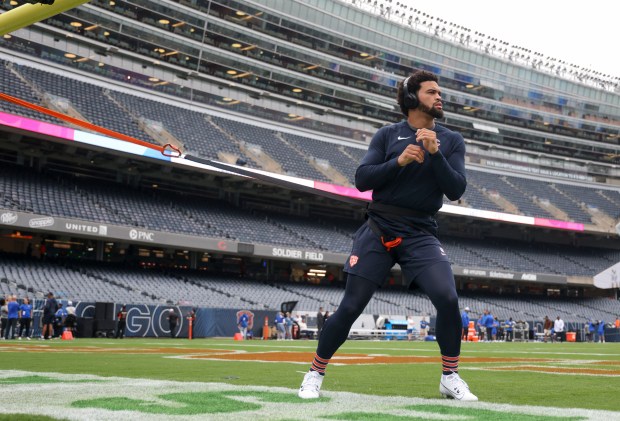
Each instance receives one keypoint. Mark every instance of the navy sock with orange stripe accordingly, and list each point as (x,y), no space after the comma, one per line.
(450,365)
(319,364)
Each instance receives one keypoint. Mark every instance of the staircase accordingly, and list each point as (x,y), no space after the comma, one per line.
(601,220)
(552,209)
(230,158)
(320,165)
(154,129)
(499,200)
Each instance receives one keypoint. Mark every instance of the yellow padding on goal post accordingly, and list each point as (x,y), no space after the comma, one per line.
(28,14)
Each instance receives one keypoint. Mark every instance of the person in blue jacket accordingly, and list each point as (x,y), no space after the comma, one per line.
(243,325)
(280,328)
(601,331)
(25,318)
(494,329)
(409,166)
(487,322)
(465,323)
(423,328)
(59,320)
(12,316)
(509,329)
(481,328)
(288,326)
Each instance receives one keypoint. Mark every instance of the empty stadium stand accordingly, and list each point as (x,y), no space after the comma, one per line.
(225,139)
(83,100)
(90,281)
(65,196)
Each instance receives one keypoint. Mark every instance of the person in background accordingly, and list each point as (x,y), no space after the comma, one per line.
(173,319)
(42,251)
(487,321)
(281,331)
(12,316)
(481,328)
(288,325)
(594,330)
(59,320)
(465,323)
(242,323)
(494,329)
(508,328)
(301,321)
(121,316)
(4,314)
(25,318)
(558,327)
(410,327)
(526,331)
(423,328)
(547,326)
(587,330)
(601,331)
(49,312)
(71,318)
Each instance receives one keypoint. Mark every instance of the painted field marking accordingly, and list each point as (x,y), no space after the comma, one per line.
(351,347)
(83,397)
(550,369)
(297,357)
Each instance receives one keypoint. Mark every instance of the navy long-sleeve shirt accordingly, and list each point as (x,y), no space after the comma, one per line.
(420,187)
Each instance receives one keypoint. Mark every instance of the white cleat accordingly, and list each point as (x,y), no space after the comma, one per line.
(453,387)
(311,386)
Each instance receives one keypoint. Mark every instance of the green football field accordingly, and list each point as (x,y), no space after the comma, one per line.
(222,379)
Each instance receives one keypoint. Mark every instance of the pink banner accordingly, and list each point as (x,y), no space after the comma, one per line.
(344,191)
(69,134)
(36,126)
(552,223)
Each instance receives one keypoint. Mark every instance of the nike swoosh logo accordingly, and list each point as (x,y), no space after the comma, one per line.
(403,138)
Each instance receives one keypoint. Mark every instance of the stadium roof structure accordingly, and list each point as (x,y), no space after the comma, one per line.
(467,37)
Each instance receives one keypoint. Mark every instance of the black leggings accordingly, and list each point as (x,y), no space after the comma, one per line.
(11,327)
(24,324)
(436,281)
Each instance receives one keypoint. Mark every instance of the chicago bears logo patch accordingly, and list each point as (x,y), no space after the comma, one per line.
(352,260)
(250,317)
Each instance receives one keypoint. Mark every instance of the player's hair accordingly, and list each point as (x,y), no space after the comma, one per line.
(413,86)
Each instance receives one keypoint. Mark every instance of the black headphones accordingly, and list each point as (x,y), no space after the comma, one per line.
(410,99)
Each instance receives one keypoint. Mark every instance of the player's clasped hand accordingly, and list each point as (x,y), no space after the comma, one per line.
(410,154)
(428,139)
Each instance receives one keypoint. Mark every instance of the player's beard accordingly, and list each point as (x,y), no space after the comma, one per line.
(432,111)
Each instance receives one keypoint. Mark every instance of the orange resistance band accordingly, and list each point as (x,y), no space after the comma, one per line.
(389,245)
(166,150)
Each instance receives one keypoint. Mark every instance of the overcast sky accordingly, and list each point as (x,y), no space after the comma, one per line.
(585,33)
